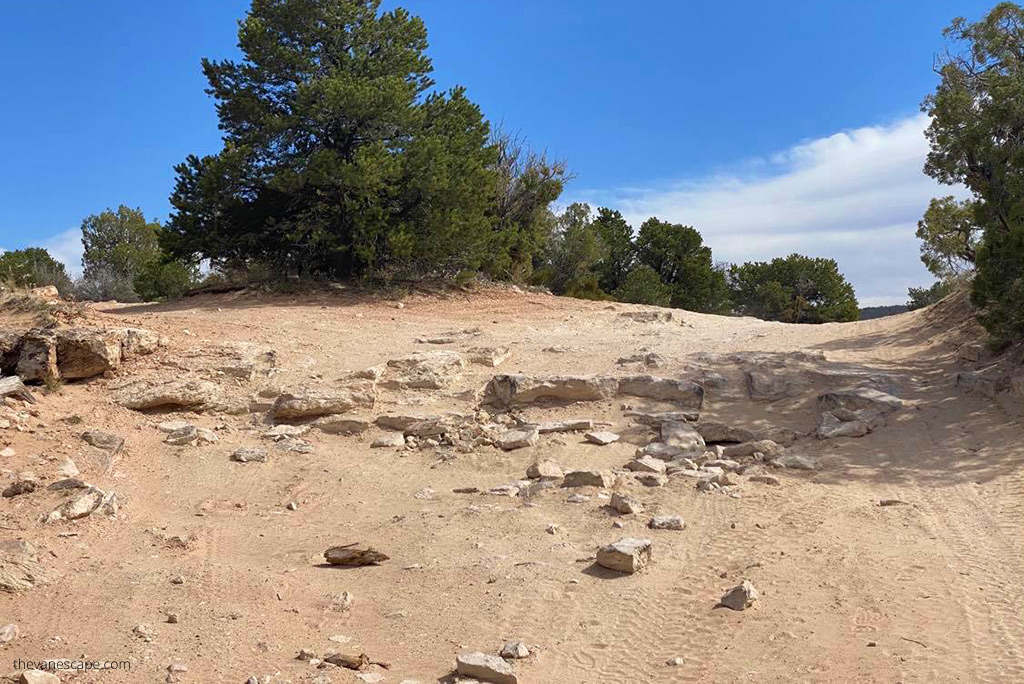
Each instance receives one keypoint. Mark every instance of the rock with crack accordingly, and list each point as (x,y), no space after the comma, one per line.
(485,668)
(518,438)
(667,522)
(740,597)
(601,438)
(316,403)
(354,554)
(20,568)
(857,399)
(682,436)
(681,392)
(425,370)
(627,555)
(521,390)
(88,352)
(589,478)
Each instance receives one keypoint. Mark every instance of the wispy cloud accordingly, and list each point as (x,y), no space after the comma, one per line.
(854,196)
(66,247)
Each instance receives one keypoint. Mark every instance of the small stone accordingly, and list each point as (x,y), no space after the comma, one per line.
(144,632)
(651,479)
(602,438)
(292,506)
(675,662)
(68,468)
(354,555)
(553,528)
(617,524)
(577,499)
(178,579)
(9,633)
(172,618)
(740,597)
(765,479)
(425,494)
(177,667)
(514,650)
(627,555)
(667,522)
(485,667)
(305,654)
(38,677)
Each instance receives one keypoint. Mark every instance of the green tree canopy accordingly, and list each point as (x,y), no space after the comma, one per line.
(619,250)
(919,297)
(682,261)
(574,251)
(643,286)
(975,138)
(337,159)
(118,243)
(796,289)
(33,267)
(949,237)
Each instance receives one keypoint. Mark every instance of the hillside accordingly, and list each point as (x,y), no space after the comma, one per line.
(880,537)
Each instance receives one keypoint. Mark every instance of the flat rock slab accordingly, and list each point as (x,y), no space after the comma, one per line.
(601,438)
(103,440)
(518,439)
(249,455)
(627,555)
(685,393)
(667,522)
(521,390)
(486,668)
(747,449)
(647,464)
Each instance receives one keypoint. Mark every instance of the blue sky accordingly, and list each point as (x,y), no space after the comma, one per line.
(771,127)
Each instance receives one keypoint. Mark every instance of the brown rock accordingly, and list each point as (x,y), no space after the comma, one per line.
(354,554)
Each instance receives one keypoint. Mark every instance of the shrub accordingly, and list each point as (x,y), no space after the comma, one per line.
(797,289)
(643,286)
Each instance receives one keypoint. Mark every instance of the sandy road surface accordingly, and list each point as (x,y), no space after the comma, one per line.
(850,591)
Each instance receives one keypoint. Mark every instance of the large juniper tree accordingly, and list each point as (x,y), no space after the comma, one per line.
(338,158)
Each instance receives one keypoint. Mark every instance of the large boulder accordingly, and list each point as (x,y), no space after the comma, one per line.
(682,392)
(519,390)
(315,403)
(425,370)
(983,384)
(87,352)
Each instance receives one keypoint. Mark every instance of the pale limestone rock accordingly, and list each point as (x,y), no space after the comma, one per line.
(627,555)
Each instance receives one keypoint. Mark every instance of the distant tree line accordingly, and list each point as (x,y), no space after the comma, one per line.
(341,160)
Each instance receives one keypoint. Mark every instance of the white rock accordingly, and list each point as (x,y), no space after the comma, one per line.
(667,522)
(485,667)
(545,470)
(518,439)
(392,440)
(601,438)
(682,436)
(514,650)
(646,464)
(626,504)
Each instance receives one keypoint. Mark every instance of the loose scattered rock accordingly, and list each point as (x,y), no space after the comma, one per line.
(740,597)
(354,555)
(627,555)
(515,650)
(519,438)
(682,436)
(626,504)
(395,440)
(667,522)
(425,370)
(768,448)
(646,464)
(312,404)
(103,440)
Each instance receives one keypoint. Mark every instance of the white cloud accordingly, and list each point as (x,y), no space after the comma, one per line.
(66,247)
(854,196)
